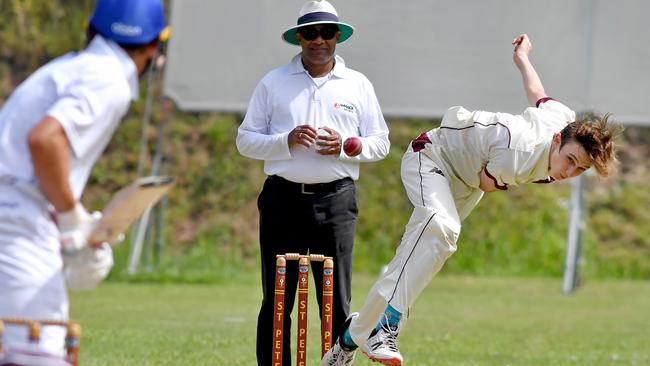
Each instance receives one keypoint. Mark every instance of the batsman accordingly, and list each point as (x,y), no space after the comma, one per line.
(445,172)
(53,128)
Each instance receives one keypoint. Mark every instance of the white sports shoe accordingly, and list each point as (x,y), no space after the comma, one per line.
(337,355)
(381,346)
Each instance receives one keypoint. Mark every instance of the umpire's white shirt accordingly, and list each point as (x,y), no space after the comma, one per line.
(88,92)
(288,97)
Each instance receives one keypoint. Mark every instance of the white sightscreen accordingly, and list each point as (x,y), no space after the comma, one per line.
(424,56)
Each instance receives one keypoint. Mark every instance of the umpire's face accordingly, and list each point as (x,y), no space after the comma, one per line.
(318,43)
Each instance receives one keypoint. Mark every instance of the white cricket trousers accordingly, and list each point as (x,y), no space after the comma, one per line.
(429,239)
(31,280)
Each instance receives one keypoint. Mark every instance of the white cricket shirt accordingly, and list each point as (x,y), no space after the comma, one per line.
(88,92)
(513,149)
(288,97)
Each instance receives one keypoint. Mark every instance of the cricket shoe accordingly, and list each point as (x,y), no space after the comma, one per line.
(338,355)
(381,346)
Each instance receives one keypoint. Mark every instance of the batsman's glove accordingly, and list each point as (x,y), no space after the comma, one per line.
(75,226)
(85,269)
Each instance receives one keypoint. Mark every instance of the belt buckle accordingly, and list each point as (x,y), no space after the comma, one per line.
(302,189)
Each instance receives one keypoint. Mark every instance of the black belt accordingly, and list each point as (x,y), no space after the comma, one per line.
(313,188)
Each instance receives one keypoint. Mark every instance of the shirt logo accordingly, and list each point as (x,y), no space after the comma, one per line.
(345,107)
(437,171)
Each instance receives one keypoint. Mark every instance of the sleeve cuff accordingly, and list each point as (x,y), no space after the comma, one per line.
(542,101)
(503,187)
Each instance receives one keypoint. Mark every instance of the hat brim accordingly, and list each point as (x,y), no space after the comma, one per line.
(289,35)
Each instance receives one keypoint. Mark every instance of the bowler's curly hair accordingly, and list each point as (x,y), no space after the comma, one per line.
(597,136)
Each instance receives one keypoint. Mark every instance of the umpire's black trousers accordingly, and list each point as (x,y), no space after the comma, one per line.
(302,218)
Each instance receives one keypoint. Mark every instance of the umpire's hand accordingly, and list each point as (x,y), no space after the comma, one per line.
(329,144)
(304,135)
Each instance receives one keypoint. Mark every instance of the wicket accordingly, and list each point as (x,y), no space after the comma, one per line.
(303,299)
(72,344)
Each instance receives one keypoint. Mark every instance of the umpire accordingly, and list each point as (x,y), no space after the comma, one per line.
(297,118)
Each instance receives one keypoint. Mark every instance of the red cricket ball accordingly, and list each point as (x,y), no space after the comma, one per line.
(352,146)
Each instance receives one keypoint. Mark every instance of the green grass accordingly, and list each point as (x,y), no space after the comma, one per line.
(471,321)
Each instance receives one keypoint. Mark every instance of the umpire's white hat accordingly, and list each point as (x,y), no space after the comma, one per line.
(317,12)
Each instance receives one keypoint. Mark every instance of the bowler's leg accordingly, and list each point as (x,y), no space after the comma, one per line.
(429,239)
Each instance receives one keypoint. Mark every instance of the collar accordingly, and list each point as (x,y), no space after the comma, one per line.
(339,69)
(103,45)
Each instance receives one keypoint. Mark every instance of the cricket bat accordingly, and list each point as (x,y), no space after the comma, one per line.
(127,205)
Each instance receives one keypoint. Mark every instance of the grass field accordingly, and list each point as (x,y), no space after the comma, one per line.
(468,321)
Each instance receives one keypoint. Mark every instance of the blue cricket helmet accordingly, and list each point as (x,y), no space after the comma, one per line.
(129,22)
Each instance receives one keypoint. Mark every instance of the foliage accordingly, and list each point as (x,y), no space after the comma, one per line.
(33,32)
(211,230)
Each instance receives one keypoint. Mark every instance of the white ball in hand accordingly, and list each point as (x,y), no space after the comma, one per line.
(321,132)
